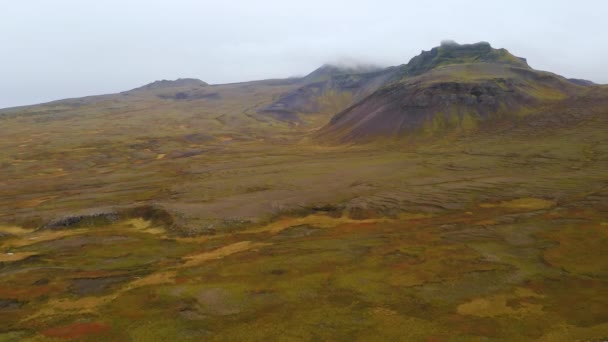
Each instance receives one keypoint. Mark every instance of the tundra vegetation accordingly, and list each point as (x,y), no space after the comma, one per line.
(462,196)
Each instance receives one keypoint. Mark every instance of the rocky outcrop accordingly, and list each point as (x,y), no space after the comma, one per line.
(453,53)
(92,219)
(102,218)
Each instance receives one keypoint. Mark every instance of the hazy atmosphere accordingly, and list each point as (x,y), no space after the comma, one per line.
(70,48)
(423,171)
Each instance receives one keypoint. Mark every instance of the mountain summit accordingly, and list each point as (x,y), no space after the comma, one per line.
(451,88)
(450,52)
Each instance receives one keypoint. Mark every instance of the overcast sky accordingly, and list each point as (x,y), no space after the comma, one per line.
(69,48)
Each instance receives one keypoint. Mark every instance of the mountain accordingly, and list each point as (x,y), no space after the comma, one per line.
(327,71)
(450,52)
(328,90)
(450,89)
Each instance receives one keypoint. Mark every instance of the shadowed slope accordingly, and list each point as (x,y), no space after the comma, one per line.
(329,90)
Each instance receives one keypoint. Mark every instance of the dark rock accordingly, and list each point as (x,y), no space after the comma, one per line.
(94,219)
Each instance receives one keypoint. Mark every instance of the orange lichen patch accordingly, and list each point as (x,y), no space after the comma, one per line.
(528,203)
(81,305)
(325,221)
(57,174)
(25,292)
(145,226)
(139,223)
(414,216)
(321,221)
(194,239)
(19,161)
(434,339)
(166,277)
(553,215)
(83,149)
(523,292)
(197,259)
(34,202)
(181,280)
(76,330)
(10,257)
(380,311)
(498,305)
(97,274)
(14,230)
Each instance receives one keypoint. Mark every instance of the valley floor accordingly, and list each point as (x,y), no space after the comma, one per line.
(499,237)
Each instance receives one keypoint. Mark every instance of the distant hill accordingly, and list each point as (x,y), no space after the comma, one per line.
(582,82)
(180,82)
(327,71)
(329,89)
(450,89)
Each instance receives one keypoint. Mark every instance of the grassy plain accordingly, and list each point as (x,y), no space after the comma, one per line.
(208,220)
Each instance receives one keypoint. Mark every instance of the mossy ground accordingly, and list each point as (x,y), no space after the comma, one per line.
(496,235)
(414,277)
